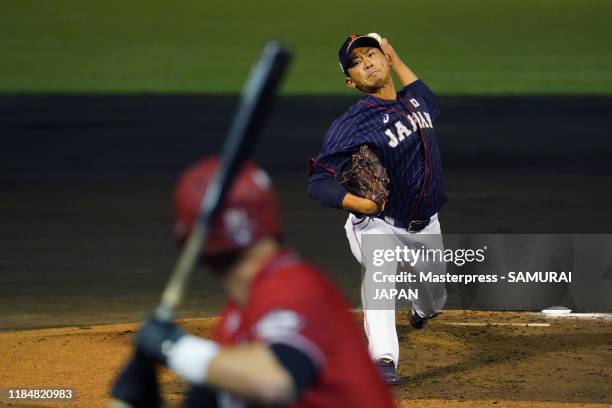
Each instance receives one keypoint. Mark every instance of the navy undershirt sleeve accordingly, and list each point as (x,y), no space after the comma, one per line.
(200,396)
(300,367)
(323,188)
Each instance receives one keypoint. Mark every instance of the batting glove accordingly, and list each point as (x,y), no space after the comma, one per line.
(156,339)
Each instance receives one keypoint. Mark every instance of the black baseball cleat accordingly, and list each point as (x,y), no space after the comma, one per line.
(386,367)
(417,322)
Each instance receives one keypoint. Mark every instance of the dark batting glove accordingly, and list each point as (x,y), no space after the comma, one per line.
(156,338)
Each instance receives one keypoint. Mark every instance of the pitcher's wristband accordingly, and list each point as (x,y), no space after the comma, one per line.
(190,357)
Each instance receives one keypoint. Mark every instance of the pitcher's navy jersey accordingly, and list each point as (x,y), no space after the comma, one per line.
(401,132)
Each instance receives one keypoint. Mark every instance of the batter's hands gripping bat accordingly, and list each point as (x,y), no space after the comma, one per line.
(256,100)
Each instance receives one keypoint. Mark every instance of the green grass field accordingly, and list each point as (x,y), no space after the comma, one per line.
(458,46)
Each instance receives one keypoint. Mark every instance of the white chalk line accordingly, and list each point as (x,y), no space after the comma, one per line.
(584,316)
(496,324)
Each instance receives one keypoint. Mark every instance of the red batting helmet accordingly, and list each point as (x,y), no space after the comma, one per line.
(250,209)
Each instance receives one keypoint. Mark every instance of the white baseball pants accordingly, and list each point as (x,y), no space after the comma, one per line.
(379,325)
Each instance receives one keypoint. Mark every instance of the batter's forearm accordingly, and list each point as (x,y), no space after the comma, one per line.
(253,372)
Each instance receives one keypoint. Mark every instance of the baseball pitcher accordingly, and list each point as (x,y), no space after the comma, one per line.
(380,160)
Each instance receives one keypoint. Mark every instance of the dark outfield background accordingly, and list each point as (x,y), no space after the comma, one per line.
(104,103)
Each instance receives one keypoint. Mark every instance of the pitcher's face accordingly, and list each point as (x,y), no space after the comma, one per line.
(370,69)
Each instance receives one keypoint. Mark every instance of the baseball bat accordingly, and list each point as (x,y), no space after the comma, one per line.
(255,104)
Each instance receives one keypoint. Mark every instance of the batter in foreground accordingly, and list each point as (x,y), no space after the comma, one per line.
(285,338)
(399,128)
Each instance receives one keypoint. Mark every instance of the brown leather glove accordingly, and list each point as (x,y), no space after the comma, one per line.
(366,177)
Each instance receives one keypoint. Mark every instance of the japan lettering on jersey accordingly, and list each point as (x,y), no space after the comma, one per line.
(401,131)
(291,303)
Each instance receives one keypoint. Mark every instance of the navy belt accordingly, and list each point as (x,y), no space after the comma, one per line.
(418,225)
(413,226)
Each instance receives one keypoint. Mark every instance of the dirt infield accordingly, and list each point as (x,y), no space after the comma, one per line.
(463,359)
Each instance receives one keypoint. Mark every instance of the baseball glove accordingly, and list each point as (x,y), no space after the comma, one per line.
(366,177)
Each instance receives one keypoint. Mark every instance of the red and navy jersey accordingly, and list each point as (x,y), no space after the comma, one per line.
(401,131)
(291,303)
